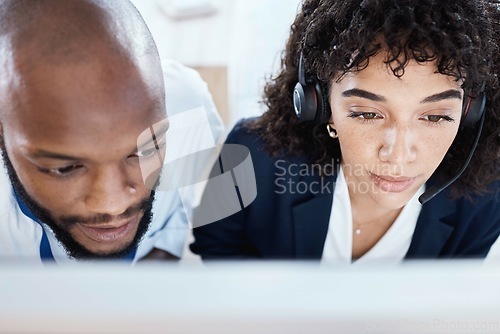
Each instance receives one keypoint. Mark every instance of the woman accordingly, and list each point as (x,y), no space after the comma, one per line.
(390,96)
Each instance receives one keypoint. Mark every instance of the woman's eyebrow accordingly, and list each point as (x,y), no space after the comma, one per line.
(363,94)
(449,94)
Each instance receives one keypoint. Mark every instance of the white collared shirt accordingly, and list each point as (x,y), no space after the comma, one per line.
(393,245)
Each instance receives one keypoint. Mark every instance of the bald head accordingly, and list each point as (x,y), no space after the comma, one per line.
(108,36)
(58,31)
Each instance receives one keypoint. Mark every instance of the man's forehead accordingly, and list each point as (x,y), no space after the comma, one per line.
(74,106)
(104,83)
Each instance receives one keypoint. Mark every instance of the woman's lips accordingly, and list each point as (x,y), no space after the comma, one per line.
(393,184)
(108,233)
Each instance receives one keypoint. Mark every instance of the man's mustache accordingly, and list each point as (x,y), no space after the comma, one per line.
(99,219)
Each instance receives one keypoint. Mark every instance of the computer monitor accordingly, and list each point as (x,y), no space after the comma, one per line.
(251,297)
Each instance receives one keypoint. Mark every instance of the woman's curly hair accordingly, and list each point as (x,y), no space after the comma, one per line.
(337,36)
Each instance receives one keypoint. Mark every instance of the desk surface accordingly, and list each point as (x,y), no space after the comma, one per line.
(271,297)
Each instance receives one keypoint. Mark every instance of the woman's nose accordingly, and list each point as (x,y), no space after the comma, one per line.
(398,145)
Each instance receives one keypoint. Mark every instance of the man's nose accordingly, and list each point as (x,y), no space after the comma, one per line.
(111,191)
(398,145)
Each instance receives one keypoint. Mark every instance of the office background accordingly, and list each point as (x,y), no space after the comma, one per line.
(234,44)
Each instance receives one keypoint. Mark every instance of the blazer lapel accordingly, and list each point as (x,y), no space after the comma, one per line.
(434,227)
(310,221)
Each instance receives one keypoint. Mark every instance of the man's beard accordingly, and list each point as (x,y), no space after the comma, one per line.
(71,246)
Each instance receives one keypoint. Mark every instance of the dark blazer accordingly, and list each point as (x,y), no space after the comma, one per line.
(288,224)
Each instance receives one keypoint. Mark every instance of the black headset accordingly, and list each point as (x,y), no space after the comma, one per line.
(310,103)
(308,100)
(473,109)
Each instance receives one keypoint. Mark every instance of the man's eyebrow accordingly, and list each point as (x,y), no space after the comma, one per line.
(363,94)
(449,94)
(59,156)
(52,155)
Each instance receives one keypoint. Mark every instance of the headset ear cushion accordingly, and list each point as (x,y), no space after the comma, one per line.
(324,112)
(305,102)
(473,109)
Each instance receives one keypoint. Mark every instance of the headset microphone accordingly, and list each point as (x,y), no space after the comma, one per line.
(476,107)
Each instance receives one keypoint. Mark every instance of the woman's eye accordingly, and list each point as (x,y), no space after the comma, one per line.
(63,171)
(364,115)
(438,118)
(369,115)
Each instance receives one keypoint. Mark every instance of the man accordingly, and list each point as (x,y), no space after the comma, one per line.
(82,83)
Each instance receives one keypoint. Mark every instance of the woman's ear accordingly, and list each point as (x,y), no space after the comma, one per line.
(332,132)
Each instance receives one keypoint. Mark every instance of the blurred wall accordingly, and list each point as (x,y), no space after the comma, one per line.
(234,47)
